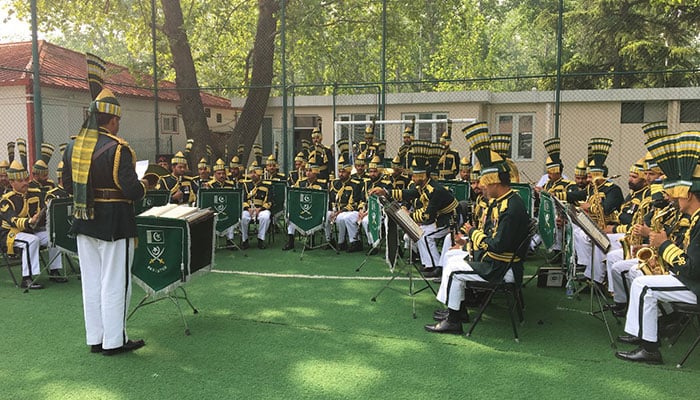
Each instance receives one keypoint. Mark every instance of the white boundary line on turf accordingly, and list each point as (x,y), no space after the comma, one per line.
(302,276)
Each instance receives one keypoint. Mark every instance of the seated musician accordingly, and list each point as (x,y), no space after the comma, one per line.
(24,227)
(256,206)
(345,194)
(235,171)
(272,170)
(375,179)
(58,192)
(203,174)
(299,171)
(505,228)
(180,186)
(433,209)
(311,181)
(556,186)
(397,177)
(602,204)
(682,284)
(219,181)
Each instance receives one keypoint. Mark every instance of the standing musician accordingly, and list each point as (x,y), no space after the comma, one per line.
(322,154)
(367,147)
(433,209)
(180,186)
(24,226)
(682,283)
(311,181)
(4,182)
(449,160)
(100,172)
(345,194)
(602,204)
(505,228)
(257,204)
(405,153)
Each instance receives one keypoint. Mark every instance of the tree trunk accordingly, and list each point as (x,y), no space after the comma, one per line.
(251,117)
(191,107)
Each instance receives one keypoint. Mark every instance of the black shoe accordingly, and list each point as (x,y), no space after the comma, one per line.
(343,246)
(245,245)
(96,348)
(433,272)
(355,247)
(27,283)
(290,243)
(445,327)
(629,339)
(131,345)
(640,355)
(261,244)
(440,315)
(55,276)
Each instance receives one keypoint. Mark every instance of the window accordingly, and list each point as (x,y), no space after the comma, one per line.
(169,123)
(642,112)
(690,111)
(427,131)
(521,129)
(218,117)
(358,131)
(207,112)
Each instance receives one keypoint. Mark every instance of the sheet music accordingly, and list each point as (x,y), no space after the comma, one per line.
(157,211)
(141,167)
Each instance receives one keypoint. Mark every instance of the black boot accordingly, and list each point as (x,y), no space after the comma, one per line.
(290,243)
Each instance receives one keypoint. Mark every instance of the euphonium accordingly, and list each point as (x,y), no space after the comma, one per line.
(650,262)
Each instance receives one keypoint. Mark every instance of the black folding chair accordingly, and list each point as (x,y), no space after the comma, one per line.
(692,312)
(511,290)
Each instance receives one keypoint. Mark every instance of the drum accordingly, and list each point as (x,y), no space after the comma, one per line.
(59,215)
(307,209)
(173,249)
(227,203)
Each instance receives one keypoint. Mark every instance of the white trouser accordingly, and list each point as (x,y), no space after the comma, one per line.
(346,222)
(611,258)
(291,228)
(30,243)
(454,275)
(105,275)
(584,247)
(228,232)
(263,224)
(447,251)
(645,293)
(616,279)
(427,247)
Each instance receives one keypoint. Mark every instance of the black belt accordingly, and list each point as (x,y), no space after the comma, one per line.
(109,194)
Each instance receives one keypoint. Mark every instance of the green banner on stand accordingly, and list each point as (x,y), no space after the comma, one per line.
(227,203)
(460,190)
(60,219)
(153,198)
(374,214)
(525,192)
(547,220)
(307,209)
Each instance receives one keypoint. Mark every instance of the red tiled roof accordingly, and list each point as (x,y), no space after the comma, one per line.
(63,68)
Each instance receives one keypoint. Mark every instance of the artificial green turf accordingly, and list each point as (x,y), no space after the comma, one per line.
(271,336)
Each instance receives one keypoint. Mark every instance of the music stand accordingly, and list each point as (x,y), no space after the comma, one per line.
(398,267)
(600,240)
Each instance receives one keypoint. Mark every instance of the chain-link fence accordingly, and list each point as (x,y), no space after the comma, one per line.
(611,68)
